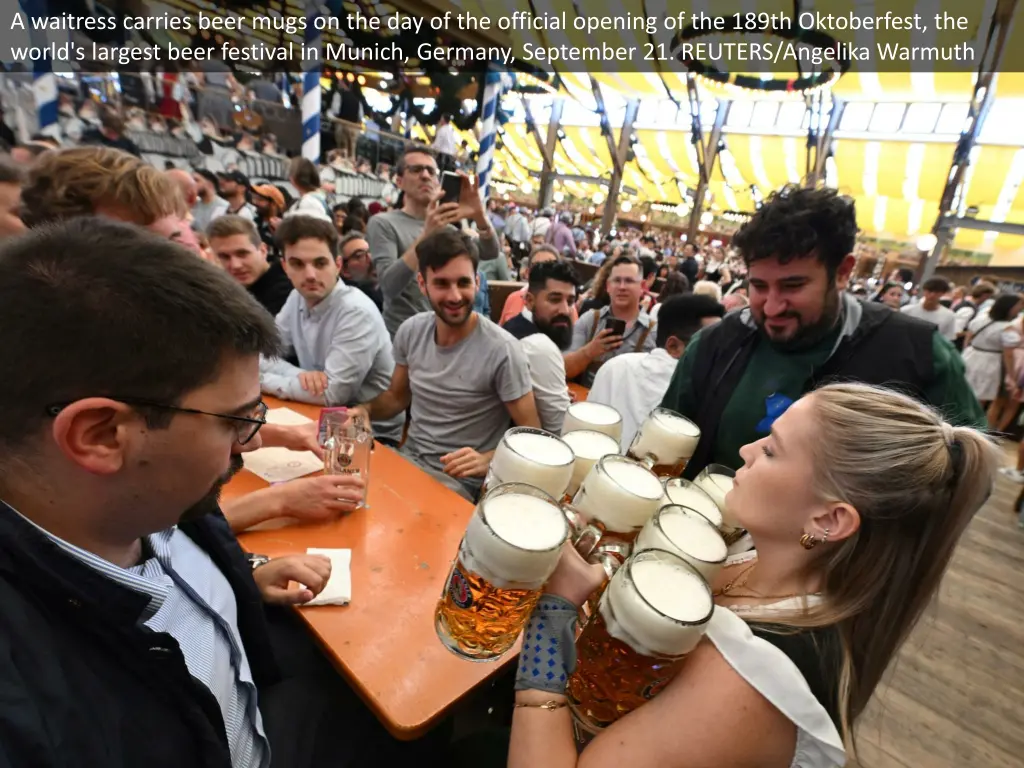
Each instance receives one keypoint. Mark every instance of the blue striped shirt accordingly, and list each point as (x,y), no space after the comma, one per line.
(192,601)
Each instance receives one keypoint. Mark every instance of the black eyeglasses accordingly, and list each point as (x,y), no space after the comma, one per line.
(246,427)
(418,169)
(360,254)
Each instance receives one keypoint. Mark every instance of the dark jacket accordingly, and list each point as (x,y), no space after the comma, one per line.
(880,347)
(520,327)
(84,683)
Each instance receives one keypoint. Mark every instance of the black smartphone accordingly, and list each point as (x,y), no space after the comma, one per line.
(451,184)
(616,326)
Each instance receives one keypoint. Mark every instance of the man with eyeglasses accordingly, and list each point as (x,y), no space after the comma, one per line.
(625,287)
(134,631)
(357,268)
(394,235)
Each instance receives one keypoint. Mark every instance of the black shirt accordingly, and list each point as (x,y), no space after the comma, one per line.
(122,142)
(272,289)
(371,289)
(520,327)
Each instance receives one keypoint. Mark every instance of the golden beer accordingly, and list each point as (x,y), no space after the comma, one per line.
(616,498)
(511,546)
(652,614)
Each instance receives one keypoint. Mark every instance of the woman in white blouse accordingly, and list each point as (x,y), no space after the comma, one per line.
(855,502)
(988,349)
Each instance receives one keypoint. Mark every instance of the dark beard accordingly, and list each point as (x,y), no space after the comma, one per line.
(809,335)
(211,501)
(560,334)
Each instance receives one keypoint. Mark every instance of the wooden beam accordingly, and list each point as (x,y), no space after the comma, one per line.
(611,205)
(706,154)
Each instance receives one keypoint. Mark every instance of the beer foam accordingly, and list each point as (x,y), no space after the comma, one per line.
(514,539)
(635,478)
(666,436)
(677,423)
(694,535)
(687,495)
(544,449)
(648,622)
(590,445)
(717,486)
(595,413)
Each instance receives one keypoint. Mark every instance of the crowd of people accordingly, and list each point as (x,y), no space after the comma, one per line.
(147,311)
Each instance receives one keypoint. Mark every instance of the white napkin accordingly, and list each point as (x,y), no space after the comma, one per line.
(278,465)
(339,586)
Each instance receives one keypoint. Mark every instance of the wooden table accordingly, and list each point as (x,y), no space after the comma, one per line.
(402,546)
(578,391)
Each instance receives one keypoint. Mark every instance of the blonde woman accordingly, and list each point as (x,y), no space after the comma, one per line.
(855,502)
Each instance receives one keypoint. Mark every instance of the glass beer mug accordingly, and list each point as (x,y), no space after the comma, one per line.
(614,501)
(716,481)
(347,441)
(688,534)
(595,416)
(510,548)
(652,614)
(588,447)
(532,456)
(665,442)
(686,494)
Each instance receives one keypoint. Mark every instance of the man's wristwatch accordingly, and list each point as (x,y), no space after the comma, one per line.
(255,561)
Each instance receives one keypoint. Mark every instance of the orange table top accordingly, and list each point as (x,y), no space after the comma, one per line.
(579,392)
(402,547)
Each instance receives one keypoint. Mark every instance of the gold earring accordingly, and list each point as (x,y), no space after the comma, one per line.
(824,536)
(807,541)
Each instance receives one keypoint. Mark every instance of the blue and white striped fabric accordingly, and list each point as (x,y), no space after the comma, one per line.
(311,95)
(44,82)
(493,87)
(192,601)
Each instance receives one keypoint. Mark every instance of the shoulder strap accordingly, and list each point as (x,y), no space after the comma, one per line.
(593,328)
(643,337)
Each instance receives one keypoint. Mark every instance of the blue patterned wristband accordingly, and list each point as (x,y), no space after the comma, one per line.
(548,655)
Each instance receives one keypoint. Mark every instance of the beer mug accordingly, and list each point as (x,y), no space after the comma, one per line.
(688,534)
(510,548)
(716,481)
(595,416)
(654,611)
(665,442)
(347,441)
(614,501)
(686,494)
(588,447)
(531,456)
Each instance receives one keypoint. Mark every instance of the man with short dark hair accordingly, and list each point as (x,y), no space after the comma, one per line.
(635,383)
(237,246)
(394,235)
(234,186)
(544,329)
(463,375)
(650,274)
(801,330)
(931,310)
(115,563)
(335,331)
(595,339)
(10,199)
(689,266)
(981,292)
(357,268)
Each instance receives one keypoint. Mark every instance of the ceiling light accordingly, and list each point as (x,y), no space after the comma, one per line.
(927,242)
(627,206)
(559,196)
(707,218)
(527,187)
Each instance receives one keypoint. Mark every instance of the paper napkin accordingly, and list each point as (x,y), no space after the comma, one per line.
(339,586)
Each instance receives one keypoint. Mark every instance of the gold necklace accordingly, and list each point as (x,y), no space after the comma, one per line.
(736,583)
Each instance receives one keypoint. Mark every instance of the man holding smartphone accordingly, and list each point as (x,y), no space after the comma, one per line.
(393,236)
(622,326)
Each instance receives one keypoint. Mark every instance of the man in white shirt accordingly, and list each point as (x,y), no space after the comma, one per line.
(931,310)
(334,330)
(444,143)
(209,205)
(544,329)
(635,383)
(233,186)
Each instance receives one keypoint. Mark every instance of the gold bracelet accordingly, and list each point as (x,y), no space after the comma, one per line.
(550,706)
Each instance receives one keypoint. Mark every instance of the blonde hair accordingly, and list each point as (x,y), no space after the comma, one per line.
(707,288)
(916,482)
(75,182)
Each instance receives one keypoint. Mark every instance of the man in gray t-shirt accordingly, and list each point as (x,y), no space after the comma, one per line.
(464,377)
(392,236)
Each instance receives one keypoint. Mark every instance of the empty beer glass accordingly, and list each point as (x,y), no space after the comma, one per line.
(510,548)
(347,442)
